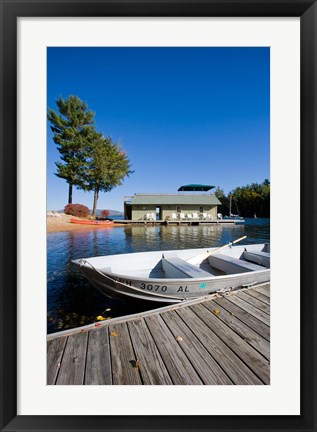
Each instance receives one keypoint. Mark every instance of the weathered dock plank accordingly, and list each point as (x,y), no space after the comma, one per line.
(237,371)
(244,316)
(265,299)
(241,348)
(245,332)
(263,289)
(151,365)
(98,365)
(264,307)
(72,369)
(257,313)
(215,340)
(55,349)
(124,370)
(180,369)
(205,365)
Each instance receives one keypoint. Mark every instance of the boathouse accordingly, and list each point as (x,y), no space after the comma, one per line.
(191,202)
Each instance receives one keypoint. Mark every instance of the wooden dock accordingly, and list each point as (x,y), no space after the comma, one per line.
(220,339)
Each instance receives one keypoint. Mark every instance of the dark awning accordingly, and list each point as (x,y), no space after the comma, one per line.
(195,187)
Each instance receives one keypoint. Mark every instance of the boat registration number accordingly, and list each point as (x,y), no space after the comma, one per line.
(151,287)
(162,288)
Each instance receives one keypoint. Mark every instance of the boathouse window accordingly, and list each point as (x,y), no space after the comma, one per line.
(178,209)
(201,209)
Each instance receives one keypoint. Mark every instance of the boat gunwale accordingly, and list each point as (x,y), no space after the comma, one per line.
(84,262)
(171,280)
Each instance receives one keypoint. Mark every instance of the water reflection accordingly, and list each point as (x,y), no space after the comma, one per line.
(72,301)
(141,238)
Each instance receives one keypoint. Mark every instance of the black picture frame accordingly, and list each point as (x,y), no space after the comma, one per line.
(10,11)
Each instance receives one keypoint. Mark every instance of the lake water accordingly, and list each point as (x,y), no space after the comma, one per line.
(72,301)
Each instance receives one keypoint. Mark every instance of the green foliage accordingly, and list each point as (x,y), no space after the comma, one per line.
(79,210)
(89,161)
(71,126)
(250,199)
(223,208)
(219,193)
(106,165)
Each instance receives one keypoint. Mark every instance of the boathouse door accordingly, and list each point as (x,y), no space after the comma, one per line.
(158,213)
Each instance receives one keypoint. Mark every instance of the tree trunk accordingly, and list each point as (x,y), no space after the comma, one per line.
(96,195)
(70,193)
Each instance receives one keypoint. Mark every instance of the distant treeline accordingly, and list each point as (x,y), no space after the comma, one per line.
(246,201)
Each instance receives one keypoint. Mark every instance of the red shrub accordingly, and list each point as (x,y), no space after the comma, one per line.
(78,210)
(105,213)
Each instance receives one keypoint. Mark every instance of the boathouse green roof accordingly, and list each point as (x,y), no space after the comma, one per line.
(172,199)
(196,187)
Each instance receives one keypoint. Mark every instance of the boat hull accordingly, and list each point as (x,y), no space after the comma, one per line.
(165,290)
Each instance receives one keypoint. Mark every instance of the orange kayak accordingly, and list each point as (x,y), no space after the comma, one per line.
(92,222)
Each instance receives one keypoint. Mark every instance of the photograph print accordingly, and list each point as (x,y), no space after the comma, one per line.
(158,216)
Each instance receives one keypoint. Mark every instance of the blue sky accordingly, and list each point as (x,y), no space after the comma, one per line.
(183,115)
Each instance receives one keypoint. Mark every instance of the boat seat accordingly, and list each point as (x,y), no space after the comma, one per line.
(175,267)
(258,257)
(231,265)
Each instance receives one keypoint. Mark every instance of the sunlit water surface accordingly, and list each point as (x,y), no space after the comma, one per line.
(72,301)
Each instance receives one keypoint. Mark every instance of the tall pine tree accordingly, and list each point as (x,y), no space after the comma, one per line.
(71,125)
(106,166)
